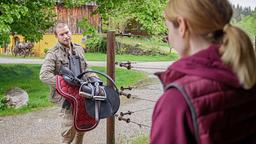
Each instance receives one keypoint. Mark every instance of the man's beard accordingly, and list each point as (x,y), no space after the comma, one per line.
(66,43)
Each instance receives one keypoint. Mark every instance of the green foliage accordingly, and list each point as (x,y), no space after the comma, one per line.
(96,44)
(46,50)
(4,39)
(115,14)
(248,24)
(28,18)
(148,13)
(39,18)
(3,102)
(73,3)
(87,28)
(9,12)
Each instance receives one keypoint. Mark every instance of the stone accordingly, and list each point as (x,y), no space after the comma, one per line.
(17,98)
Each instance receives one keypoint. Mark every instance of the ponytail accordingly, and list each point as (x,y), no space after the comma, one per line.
(238,52)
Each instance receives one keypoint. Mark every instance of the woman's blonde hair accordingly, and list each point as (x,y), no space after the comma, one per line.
(211,19)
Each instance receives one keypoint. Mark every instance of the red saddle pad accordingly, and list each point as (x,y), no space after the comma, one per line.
(82,120)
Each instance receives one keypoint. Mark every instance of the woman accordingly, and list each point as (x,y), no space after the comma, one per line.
(210,95)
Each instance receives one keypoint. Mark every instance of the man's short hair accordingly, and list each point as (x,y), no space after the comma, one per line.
(58,26)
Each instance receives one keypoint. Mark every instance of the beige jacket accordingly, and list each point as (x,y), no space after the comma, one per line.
(54,58)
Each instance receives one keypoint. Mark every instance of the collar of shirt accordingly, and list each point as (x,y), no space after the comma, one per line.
(64,48)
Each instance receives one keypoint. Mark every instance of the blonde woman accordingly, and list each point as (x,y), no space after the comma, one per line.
(210,94)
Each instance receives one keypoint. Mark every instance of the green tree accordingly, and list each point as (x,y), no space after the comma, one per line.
(30,18)
(9,12)
(39,18)
(148,13)
(248,24)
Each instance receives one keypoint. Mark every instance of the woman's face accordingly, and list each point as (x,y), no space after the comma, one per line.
(176,38)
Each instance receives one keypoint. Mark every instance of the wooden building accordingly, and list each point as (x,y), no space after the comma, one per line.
(72,16)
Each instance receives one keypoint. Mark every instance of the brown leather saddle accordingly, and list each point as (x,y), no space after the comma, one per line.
(90,100)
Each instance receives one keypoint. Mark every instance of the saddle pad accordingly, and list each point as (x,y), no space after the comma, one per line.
(82,120)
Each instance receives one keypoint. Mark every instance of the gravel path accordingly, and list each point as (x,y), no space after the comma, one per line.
(42,127)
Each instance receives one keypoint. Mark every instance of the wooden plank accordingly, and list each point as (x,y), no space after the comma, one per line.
(72,16)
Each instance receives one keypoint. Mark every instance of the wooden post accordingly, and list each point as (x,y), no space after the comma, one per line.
(111,73)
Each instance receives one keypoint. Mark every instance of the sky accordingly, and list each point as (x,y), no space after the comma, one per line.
(244,3)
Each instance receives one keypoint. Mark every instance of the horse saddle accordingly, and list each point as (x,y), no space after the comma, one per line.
(90,99)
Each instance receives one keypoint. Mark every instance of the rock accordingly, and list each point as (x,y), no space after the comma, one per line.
(17,97)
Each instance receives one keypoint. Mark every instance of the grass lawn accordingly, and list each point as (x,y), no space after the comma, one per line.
(27,78)
(102,57)
(141,139)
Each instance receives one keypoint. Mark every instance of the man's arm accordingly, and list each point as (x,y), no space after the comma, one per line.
(47,70)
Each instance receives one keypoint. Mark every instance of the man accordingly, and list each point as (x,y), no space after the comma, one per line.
(54,58)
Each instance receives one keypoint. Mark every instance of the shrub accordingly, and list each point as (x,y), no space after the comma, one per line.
(45,50)
(96,44)
(141,46)
(3,102)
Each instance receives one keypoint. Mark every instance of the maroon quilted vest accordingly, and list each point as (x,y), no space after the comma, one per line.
(221,114)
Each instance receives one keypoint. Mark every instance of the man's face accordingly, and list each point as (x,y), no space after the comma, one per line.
(64,36)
